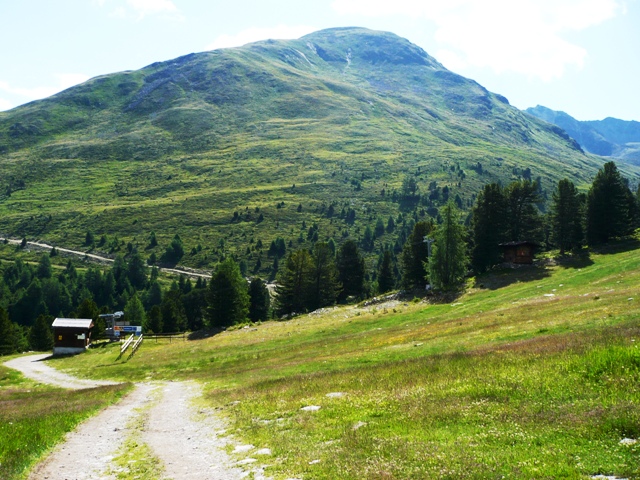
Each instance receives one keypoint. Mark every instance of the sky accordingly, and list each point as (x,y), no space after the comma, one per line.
(578,56)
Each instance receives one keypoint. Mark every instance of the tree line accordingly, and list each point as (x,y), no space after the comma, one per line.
(306,279)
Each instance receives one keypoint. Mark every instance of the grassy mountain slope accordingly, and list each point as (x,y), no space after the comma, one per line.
(530,374)
(332,118)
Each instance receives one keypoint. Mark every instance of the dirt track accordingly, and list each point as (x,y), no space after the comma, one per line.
(185,443)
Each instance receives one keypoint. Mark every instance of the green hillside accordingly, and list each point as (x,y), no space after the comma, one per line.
(530,374)
(277,132)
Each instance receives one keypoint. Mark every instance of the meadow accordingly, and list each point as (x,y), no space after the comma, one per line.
(531,373)
(35,417)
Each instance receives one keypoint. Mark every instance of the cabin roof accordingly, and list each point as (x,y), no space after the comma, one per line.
(72,323)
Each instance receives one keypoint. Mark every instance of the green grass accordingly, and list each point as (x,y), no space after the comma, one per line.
(34,418)
(505,380)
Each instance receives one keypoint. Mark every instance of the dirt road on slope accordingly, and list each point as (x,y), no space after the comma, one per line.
(101,259)
(185,443)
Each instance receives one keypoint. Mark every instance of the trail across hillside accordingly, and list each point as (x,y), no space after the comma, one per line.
(103,259)
(184,443)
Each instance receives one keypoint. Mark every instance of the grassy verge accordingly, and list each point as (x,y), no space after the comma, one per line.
(555,407)
(33,418)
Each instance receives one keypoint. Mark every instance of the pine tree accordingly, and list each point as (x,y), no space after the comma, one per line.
(448,262)
(523,217)
(415,255)
(324,285)
(134,311)
(608,201)
(292,288)
(386,280)
(228,298)
(154,320)
(259,300)
(6,345)
(566,216)
(488,227)
(351,270)
(41,336)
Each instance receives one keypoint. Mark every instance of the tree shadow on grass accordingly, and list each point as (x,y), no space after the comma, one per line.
(618,246)
(503,276)
(577,260)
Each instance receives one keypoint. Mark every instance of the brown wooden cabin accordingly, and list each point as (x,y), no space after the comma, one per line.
(71,335)
(520,253)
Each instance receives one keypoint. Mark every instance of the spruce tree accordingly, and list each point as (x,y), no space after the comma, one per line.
(386,279)
(523,217)
(488,227)
(448,262)
(324,285)
(415,255)
(259,300)
(228,298)
(41,336)
(351,270)
(6,345)
(293,284)
(134,311)
(566,216)
(608,214)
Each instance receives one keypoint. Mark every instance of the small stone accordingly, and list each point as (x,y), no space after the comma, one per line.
(311,408)
(243,448)
(313,462)
(335,394)
(628,441)
(264,451)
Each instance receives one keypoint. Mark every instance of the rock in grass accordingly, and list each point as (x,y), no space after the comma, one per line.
(311,408)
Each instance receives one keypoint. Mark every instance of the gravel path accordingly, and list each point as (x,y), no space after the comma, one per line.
(33,367)
(86,453)
(188,443)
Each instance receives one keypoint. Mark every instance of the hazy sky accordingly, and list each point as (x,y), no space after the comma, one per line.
(580,56)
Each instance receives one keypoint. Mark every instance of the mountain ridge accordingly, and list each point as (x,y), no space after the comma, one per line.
(208,143)
(610,137)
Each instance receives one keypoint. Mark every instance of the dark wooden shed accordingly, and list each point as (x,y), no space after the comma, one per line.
(71,335)
(519,252)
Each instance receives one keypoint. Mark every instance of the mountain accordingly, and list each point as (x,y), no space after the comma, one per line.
(610,137)
(234,148)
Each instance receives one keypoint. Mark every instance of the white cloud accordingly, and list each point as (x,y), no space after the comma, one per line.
(139,9)
(523,36)
(27,94)
(5,105)
(255,34)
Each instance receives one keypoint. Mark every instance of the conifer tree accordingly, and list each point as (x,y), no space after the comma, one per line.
(324,285)
(259,300)
(228,298)
(292,288)
(351,270)
(386,280)
(566,216)
(523,217)
(415,255)
(488,227)
(608,201)
(448,262)
(134,311)
(41,336)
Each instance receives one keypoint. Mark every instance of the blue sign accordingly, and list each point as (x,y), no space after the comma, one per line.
(131,329)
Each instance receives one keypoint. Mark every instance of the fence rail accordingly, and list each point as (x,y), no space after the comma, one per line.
(136,345)
(125,346)
(170,336)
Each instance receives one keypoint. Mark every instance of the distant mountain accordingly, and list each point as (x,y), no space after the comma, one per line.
(609,137)
(237,145)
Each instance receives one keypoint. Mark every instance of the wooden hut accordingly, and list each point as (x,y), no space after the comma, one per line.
(520,253)
(71,335)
